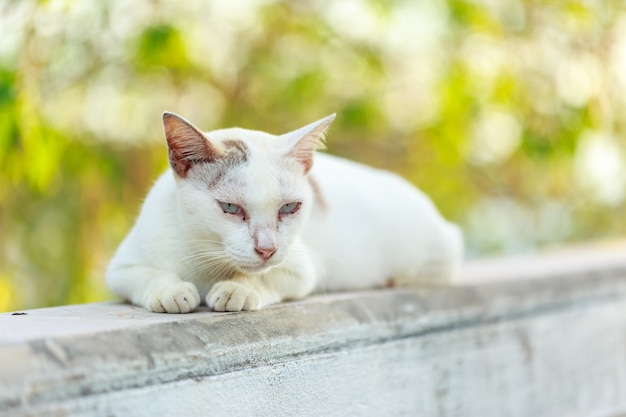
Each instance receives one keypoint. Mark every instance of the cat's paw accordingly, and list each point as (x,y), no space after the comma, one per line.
(180,297)
(232,296)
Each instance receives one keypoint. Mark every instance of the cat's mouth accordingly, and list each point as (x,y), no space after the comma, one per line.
(256,269)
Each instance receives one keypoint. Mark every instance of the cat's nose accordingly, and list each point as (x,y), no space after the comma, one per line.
(265,253)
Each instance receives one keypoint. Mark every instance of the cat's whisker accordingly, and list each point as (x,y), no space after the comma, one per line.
(217,242)
(206,263)
(203,255)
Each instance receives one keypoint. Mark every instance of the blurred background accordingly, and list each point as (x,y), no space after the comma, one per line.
(511,114)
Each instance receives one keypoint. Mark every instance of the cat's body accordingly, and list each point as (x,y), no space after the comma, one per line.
(246,219)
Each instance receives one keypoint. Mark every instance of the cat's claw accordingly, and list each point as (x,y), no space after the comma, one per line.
(232,296)
(175,298)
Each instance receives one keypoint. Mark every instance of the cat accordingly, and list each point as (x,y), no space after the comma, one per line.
(244,219)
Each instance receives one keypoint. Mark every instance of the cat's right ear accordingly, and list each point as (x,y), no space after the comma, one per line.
(303,143)
(187,145)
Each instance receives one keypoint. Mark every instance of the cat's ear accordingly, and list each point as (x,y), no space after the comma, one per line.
(302,143)
(187,145)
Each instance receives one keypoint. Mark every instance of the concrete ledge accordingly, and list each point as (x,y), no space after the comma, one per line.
(536,336)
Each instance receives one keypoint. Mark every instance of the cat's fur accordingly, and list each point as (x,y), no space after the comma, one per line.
(244,219)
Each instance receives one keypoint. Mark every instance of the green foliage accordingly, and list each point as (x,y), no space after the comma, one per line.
(160,46)
(509,114)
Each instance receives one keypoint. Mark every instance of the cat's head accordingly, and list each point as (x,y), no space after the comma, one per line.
(243,195)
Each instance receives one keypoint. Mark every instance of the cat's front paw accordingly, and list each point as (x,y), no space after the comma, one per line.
(232,296)
(180,297)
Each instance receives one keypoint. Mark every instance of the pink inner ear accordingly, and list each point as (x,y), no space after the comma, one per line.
(187,145)
(309,139)
(304,156)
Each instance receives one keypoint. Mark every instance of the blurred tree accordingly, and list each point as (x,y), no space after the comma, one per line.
(509,114)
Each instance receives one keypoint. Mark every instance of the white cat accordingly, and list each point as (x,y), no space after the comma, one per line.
(245,219)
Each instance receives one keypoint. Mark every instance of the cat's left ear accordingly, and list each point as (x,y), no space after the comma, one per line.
(302,143)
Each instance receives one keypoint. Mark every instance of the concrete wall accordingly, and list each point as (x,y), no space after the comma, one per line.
(533,336)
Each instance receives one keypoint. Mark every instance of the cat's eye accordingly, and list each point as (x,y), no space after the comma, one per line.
(231,208)
(290,208)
